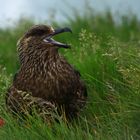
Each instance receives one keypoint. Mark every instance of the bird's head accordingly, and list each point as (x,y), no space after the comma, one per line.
(41,37)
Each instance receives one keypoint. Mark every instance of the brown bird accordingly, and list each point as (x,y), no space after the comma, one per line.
(45,80)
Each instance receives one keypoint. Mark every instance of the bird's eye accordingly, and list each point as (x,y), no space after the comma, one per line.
(37,32)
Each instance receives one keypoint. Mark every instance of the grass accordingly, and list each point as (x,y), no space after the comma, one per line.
(107,55)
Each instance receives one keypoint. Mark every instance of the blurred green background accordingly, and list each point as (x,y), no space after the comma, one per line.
(106,50)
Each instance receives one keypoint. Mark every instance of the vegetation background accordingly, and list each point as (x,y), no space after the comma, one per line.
(108,56)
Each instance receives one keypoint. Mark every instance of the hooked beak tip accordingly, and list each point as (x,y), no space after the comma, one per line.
(61,30)
(67,29)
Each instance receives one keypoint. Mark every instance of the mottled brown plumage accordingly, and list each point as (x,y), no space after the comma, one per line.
(45,79)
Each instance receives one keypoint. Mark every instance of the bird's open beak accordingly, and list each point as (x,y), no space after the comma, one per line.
(56,43)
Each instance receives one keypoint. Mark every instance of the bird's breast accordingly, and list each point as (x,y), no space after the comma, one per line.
(60,81)
(55,81)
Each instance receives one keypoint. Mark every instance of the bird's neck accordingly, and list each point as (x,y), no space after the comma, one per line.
(41,62)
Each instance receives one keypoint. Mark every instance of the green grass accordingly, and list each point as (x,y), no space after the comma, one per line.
(108,56)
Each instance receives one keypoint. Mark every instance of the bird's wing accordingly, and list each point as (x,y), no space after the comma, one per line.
(21,102)
(81,87)
(81,94)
